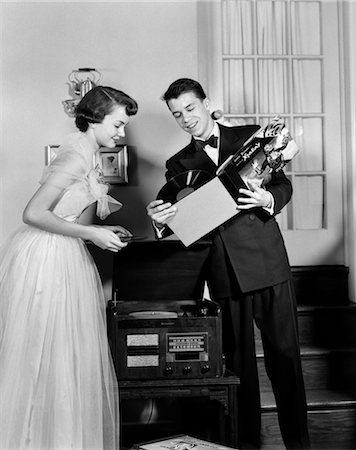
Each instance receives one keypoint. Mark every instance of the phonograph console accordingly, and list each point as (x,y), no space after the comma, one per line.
(155,344)
(158,325)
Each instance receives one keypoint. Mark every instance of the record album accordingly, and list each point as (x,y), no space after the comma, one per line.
(183,184)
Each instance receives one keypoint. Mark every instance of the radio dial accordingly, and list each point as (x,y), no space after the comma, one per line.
(186,370)
(205,368)
(168,370)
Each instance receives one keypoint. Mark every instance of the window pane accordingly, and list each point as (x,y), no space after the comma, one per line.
(237,19)
(239,95)
(309,138)
(305,28)
(271,28)
(307,86)
(309,202)
(239,121)
(273,86)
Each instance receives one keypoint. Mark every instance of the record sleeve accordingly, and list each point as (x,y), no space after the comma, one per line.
(202,211)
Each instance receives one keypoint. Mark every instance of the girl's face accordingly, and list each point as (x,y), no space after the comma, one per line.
(112,128)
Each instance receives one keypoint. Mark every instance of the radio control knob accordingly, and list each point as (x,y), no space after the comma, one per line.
(186,370)
(205,368)
(168,370)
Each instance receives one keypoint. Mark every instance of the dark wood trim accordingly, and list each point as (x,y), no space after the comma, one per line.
(321,285)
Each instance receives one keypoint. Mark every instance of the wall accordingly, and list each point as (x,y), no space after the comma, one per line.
(139,47)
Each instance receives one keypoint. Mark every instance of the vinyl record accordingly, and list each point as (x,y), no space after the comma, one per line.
(183,184)
(154,314)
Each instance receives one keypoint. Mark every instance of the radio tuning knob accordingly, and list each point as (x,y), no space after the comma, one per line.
(168,370)
(186,370)
(205,368)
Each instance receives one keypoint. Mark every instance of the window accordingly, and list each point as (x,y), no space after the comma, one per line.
(273,64)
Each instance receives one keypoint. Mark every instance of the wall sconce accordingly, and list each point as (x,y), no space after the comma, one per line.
(80,82)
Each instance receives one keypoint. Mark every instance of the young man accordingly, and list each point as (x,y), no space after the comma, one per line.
(248,271)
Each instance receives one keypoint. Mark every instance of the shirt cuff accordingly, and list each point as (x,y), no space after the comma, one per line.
(270,207)
(159,231)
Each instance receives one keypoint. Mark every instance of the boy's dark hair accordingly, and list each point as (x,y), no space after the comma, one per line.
(99,102)
(181,86)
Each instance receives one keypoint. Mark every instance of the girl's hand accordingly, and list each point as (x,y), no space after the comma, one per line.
(119,230)
(106,239)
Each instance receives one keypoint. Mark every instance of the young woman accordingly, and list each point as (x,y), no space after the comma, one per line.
(56,373)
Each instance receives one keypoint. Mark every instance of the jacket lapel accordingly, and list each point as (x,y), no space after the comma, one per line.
(226,143)
(231,139)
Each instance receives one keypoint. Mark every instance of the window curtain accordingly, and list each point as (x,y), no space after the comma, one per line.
(272,65)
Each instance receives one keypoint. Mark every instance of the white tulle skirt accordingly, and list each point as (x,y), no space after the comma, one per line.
(56,374)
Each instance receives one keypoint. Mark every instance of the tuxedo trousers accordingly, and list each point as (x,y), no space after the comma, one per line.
(274,311)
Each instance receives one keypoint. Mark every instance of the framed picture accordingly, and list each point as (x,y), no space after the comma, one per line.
(114,164)
(50,153)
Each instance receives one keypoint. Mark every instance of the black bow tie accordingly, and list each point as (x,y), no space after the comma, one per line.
(212,141)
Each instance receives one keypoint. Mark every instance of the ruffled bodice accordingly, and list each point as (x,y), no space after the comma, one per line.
(83,184)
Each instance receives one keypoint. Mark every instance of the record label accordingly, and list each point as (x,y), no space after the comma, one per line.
(182,185)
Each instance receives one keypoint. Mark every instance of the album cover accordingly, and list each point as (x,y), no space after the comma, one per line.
(182,442)
(269,149)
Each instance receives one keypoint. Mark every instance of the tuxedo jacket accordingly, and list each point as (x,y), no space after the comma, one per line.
(247,252)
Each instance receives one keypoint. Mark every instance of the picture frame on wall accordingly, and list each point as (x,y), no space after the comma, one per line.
(50,153)
(113,162)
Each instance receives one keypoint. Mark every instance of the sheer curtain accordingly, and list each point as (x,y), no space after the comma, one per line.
(272,64)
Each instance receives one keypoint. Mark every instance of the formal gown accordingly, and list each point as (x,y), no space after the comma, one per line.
(56,373)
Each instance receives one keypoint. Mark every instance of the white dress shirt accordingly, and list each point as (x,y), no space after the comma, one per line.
(212,152)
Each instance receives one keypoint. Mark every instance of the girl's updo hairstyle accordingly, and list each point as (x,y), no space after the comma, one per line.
(99,102)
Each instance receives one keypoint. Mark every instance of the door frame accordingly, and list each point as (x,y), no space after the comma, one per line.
(347,18)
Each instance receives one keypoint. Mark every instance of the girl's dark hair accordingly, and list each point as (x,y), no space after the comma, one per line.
(181,86)
(99,102)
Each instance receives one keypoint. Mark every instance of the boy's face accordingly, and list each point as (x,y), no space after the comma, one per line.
(192,114)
